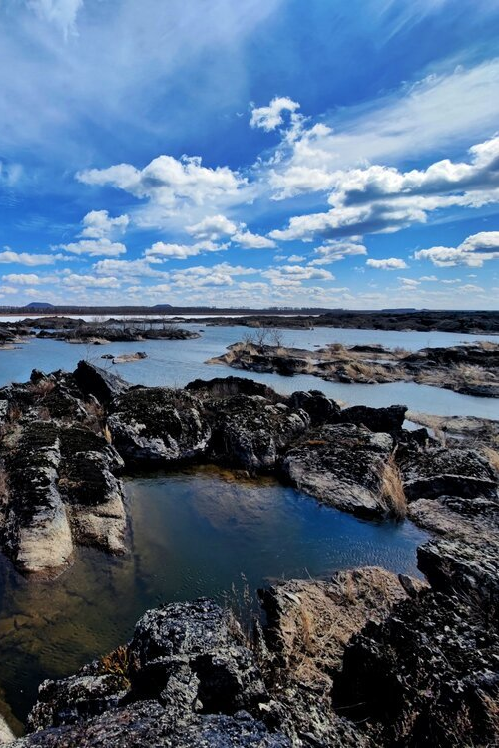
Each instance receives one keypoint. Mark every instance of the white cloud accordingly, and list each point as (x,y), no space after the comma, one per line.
(62,13)
(473,252)
(410,282)
(98,224)
(333,251)
(269,117)
(293,275)
(450,109)
(390,263)
(95,248)
(30,259)
(216,227)
(171,184)
(162,250)
(75,281)
(128,269)
(23,279)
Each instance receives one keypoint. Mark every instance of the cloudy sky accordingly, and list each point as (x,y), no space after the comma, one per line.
(258,152)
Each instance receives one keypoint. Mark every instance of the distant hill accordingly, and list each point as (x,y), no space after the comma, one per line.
(39,305)
(162,306)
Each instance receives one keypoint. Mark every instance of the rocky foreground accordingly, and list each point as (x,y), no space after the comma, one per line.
(364,659)
(471,369)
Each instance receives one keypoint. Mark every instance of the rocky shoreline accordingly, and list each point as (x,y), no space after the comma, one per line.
(364,659)
(471,369)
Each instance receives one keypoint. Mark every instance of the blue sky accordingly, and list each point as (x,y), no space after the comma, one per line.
(261,152)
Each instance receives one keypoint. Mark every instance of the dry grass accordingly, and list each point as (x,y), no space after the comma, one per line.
(4,487)
(117,663)
(492,456)
(392,490)
(42,388)
(106,433)
(15,413)
(353,369)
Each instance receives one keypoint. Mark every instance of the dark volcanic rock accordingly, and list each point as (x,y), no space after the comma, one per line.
(341,465)
(436,471)
(93,380)
(221,387)
(185,679)
(426,676)
(251,433)
(320,408)
(385,420)
(159,424)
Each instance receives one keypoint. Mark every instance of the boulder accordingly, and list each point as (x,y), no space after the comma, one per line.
(92,380)
(425,676)
(386,420)
(341,465)
(159,424)
(251,433)
(436,471)
(319,407)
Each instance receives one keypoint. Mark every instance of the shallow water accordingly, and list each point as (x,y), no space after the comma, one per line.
(194,533)
(177,362)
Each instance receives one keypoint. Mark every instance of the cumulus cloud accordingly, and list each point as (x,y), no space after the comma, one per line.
(162,250)
(30,259)
(95,248)
(128,269)
(98,224)
(473,252)
(334,251)
(381,199)
(215,227)
(23,279)
(75,281)
(170,183)
(293,275)
(390,263)
(269,117)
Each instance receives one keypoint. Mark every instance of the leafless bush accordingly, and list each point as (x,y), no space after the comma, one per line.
(392,492)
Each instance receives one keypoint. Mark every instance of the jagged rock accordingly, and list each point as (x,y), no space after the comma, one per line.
(320,408)
(159,424)
(222,387)
(251,433)
(385,420)
(341,465)
(185,679)
(93,380)
(436,471)
(426,675)
(309,623)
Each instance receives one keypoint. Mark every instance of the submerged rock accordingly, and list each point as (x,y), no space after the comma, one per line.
(341,465)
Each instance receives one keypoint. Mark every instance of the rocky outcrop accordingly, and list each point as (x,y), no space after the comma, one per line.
(98,382)
(59,485)
(434,471)
(341,465)
(159,425)
(385,420)
(426,675)
(186,679)
(250,432)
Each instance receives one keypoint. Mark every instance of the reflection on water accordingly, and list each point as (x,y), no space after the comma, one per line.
(177,362)
(193,533)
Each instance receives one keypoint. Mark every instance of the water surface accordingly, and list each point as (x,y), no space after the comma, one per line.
(193,533)
(177,362)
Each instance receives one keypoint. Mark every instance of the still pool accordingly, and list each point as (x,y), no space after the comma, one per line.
(197,532)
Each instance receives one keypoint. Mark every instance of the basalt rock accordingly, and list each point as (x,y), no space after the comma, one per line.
(385,420)
(92,380)
(437,471)
(341,465)
(159,424)
(251,433)
(185,679)
(426,675)
(319,407)
(222,387)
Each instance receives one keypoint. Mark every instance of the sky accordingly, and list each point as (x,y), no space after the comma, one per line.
(252,153)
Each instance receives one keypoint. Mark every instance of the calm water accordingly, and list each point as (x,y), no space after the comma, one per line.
(193,533)
(177,362)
